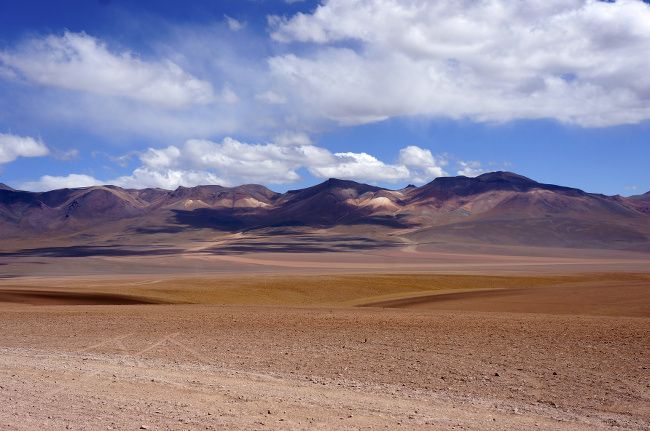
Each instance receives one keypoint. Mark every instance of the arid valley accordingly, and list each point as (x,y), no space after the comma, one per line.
(521,343)
(311,328)
(325,215)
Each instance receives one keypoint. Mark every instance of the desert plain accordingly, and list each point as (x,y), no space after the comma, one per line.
(413,337)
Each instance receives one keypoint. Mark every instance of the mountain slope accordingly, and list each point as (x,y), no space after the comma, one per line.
(497,207)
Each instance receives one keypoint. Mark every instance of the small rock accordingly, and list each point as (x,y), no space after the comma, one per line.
(144,427)
(496,375)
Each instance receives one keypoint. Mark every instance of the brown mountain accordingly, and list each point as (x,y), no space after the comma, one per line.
(495,208)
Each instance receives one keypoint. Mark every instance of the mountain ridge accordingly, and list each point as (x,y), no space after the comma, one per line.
(501,207)
(487,177)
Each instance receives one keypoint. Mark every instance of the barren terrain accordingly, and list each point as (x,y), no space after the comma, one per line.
(513,339)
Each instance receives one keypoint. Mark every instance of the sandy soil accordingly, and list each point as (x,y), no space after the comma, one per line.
(215,367)
(509,345)
(427,258)
(622,297)
(583,293)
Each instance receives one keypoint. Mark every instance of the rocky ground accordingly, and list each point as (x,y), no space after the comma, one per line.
(268,367)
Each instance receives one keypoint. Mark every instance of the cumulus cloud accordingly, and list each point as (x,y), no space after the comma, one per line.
(421,163)
(346,62)
(49,182)
(239,162)
(414,164)
(232,162)
(190,81)
(362,167)
(12,147)
(576,61)
(470,168)
(170,179)
(77,61)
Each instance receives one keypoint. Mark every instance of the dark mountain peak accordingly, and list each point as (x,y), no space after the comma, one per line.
(55,198)
(211,191)
(505,176)
(255,188)
(348,184)
(182,192)
(644,197)
(3,186)
(333,188)
(496,206)
(244,196)
(335,184)
(207,187)
(443,188)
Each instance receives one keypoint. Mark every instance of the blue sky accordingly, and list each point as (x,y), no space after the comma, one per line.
(168,93)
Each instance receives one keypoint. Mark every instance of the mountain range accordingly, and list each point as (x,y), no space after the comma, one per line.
(493,208)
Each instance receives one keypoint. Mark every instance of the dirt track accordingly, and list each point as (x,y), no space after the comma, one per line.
(198,367)
(550,351)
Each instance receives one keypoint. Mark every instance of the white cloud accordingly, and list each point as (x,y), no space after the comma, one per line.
(12,147)
(576,61)
(347,62)
(361,167)
(234,24)
(470,168)
(422,164)
(242,162)
(170,179)
(77,61)
(194,81)
(414,164)
(229,162)
(49,182)
(232,162)
(160,158)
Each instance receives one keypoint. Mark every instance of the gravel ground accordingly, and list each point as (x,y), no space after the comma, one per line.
(241,367)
